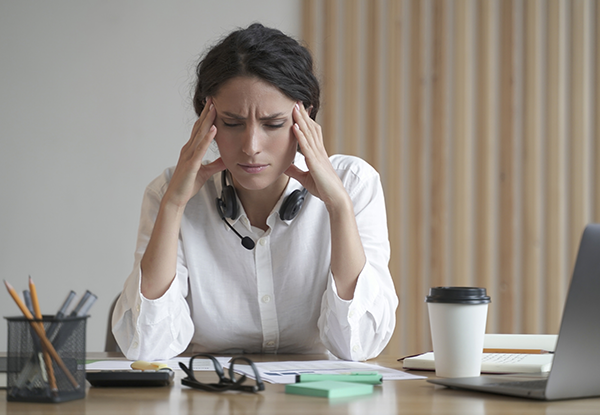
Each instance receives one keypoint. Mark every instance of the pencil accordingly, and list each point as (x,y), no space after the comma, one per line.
(39,329)
(38,314)
(517,351)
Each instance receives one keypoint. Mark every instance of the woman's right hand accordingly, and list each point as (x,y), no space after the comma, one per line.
(190,174)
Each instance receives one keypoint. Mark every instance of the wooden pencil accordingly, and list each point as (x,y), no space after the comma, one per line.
(38,314)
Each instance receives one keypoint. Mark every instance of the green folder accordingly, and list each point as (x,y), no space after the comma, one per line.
(329,389)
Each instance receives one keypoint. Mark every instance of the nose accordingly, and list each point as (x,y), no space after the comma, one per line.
(251,141)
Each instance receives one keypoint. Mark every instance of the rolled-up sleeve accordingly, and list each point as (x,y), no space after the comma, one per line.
(152,329)
(359,329)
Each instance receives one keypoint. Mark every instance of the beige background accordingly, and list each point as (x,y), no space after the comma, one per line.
(482,118)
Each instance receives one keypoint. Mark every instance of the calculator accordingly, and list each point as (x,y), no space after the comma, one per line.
(130,378)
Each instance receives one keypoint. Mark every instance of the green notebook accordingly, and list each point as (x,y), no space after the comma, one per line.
(329,389)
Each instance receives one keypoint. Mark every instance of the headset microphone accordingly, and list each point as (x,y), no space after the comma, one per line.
(227,207)
(247,242)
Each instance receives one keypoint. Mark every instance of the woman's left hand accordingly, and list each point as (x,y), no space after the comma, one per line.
(320,180)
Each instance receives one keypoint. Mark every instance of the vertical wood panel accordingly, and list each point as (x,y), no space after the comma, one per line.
(481,116)
(330,69)
(588,92)
(595,114)
(439,146)
(350,103)
(490,196)
(555,171)
(372,131)
(578,143)
(309,30)
(532,159)
(518,107)
(461,252)
(412,178)
(393,127)
(506,173)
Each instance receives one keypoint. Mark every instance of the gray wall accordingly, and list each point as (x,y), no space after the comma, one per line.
(95,103)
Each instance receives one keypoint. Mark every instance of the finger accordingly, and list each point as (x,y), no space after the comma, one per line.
(203,144)
(309,146)
(308,126)
(213,167)
(295,173)
(202,117)
(202,126)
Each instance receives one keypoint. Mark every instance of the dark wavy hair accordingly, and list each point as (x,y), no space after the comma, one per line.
(261,52)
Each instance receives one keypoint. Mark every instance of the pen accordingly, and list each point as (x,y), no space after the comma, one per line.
(90,299)
(80,304)
(63,309)
(60,314)
(27,299)
(39,329)
(80,310)
(38,315)
(517,351)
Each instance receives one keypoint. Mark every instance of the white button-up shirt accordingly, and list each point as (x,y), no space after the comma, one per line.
(279,297)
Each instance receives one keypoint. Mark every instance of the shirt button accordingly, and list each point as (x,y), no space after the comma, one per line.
(266,298)
(135,345)
(271,343)
(351,314)
(262,241)
(245,221)
(356,348)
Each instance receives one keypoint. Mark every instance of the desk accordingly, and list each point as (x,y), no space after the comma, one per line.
(393,397)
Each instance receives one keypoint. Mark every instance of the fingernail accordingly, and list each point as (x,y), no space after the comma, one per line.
(211,107)
(297,106)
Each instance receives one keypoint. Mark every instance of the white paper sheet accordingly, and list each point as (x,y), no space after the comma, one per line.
(285,372)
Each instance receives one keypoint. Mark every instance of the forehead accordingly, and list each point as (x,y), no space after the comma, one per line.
(241,95)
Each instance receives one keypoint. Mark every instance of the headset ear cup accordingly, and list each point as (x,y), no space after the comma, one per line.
(292,204)
(229,202)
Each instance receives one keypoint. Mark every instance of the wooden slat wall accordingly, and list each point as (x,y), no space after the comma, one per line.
(481,118)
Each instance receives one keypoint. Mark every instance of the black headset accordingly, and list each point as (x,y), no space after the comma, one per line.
(227,207)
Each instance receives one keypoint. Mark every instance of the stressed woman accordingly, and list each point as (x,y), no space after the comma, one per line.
(311,273)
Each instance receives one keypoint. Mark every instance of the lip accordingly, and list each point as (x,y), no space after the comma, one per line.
(253,168)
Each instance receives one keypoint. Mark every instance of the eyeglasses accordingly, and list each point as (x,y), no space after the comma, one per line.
(225,384)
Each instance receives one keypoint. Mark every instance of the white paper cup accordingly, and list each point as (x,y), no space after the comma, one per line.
(457,319)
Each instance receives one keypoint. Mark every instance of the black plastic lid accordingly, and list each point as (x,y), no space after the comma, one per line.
(457,295)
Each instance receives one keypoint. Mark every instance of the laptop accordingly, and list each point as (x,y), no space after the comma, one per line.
(575,372)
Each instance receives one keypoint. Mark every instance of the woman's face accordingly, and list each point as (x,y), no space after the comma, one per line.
(254,133)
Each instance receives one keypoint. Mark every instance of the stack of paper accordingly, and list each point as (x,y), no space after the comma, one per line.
(285,372)
(510,361)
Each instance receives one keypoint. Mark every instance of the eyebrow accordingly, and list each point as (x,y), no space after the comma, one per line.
(265,118)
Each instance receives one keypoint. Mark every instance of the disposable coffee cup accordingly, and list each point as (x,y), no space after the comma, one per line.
(457,319)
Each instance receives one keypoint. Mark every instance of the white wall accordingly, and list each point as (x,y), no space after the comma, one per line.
(95,103)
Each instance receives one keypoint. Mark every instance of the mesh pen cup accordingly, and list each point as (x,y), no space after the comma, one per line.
(457,318)
(29,376)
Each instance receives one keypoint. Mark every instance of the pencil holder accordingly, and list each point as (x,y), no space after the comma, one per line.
(48,368)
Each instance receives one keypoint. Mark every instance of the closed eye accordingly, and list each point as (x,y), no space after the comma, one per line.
(233,124)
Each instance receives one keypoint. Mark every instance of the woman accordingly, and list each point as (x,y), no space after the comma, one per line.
(312,273)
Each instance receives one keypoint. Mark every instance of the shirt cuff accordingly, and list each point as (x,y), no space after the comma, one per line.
(365,294)
(156,310)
